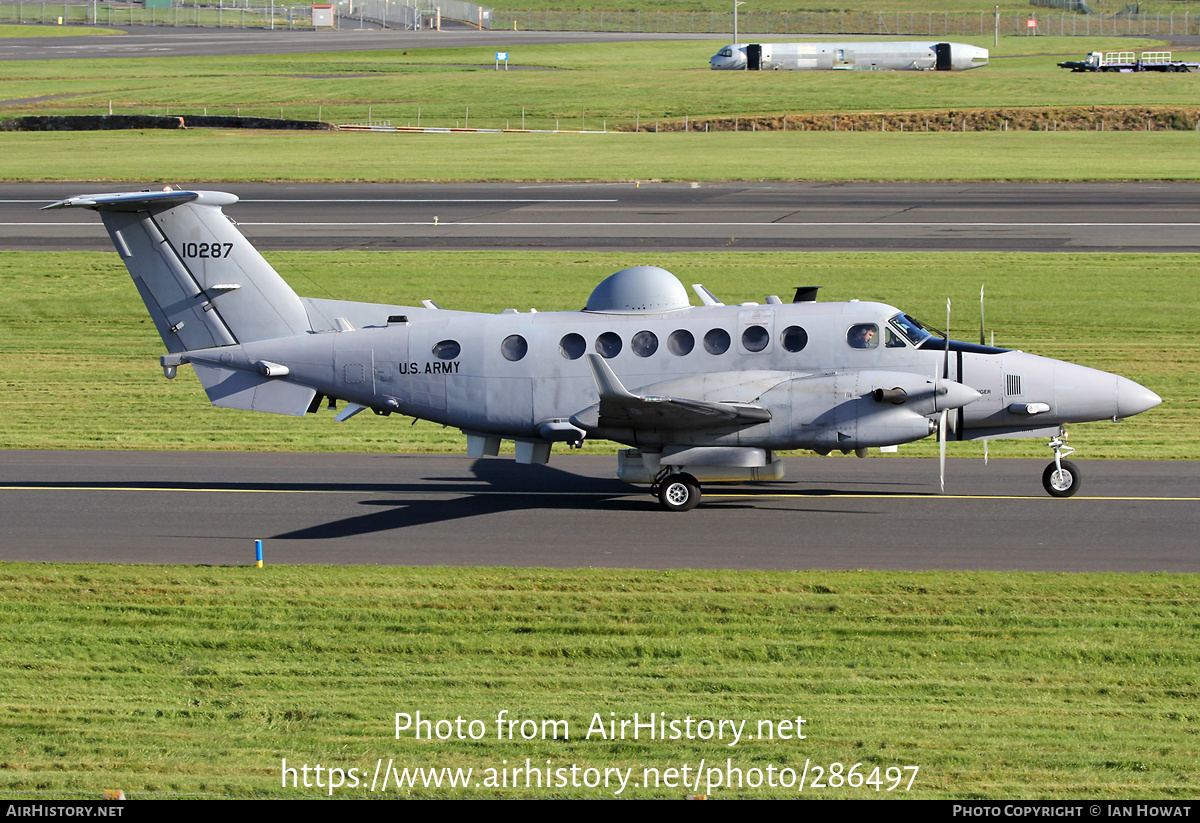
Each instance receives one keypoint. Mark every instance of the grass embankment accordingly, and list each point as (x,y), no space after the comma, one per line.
(192,681)
(918,8)
(80,354)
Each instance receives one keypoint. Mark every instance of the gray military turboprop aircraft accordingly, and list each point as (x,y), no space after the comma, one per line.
(706,393)
(870,55)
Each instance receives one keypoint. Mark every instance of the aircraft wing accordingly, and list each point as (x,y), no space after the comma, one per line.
(620,408)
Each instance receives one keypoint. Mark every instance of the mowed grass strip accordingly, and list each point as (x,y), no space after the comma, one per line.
(200,681)
(39,30)
(208,157)
(80,368)
(913,13)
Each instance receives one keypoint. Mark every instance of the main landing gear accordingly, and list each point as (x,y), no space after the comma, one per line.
(678,492)
(1061,478)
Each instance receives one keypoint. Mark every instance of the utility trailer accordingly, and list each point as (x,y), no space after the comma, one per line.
(1127,61)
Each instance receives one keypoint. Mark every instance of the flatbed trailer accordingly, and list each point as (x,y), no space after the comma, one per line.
(1127,62)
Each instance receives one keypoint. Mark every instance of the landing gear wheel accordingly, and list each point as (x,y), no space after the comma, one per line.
(1061,483)
(679,493)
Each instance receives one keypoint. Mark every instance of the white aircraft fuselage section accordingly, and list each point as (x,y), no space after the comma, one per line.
(877,55)
(818,397)
(700,392)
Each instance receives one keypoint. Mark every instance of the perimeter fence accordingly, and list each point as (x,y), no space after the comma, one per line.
(245,14)
(394,15)
(422,14)
(229,15)
(412,14)
(891,23)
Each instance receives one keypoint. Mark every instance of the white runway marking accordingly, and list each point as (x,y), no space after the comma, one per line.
(634,222)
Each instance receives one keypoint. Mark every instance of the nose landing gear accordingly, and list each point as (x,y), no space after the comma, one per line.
(1061,478)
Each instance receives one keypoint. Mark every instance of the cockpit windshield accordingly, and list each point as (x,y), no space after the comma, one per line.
(912,330)
(725,52)
(922,336)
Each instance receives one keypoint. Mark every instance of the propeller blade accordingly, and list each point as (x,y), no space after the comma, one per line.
(942,416)
(946,363)
(942,450)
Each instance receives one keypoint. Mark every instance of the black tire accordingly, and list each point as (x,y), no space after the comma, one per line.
(679,493)
(1064,484)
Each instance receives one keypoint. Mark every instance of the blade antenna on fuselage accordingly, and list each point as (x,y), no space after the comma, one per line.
(981,341)
(706,297)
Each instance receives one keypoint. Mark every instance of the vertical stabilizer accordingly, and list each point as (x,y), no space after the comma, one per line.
(203,283)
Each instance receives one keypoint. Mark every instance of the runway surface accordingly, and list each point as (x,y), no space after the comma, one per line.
(170,41)
(833,513)
(166,41)
(1108,217)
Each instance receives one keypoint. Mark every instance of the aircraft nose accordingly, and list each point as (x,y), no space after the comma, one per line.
(970,57)
(1082,394)
(1134,398)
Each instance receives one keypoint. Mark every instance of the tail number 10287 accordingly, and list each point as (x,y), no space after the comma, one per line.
(207,249)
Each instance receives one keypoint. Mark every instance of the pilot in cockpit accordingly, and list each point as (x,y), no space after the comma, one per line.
(862,336)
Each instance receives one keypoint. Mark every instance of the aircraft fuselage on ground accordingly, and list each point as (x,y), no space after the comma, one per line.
(699,393)
(869,55)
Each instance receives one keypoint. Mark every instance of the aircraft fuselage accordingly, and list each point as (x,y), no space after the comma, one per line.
(451,367)
(870,55)
(705,392)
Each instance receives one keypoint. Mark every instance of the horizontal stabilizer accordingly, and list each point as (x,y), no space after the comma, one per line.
(131,201)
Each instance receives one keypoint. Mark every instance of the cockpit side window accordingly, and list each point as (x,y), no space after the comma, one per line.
(892,340)
(863,336)
(725,52)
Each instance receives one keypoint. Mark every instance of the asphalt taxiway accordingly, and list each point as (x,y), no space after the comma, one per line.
(832,513)
(168,41)
(653,217)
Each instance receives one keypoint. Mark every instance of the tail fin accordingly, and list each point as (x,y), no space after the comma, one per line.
(202,281)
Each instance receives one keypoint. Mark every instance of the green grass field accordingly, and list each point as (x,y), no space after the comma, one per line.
(72,326)
(202,681)
(915,7)
(208,157)
(568,85)
(17,30)
(581,89)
